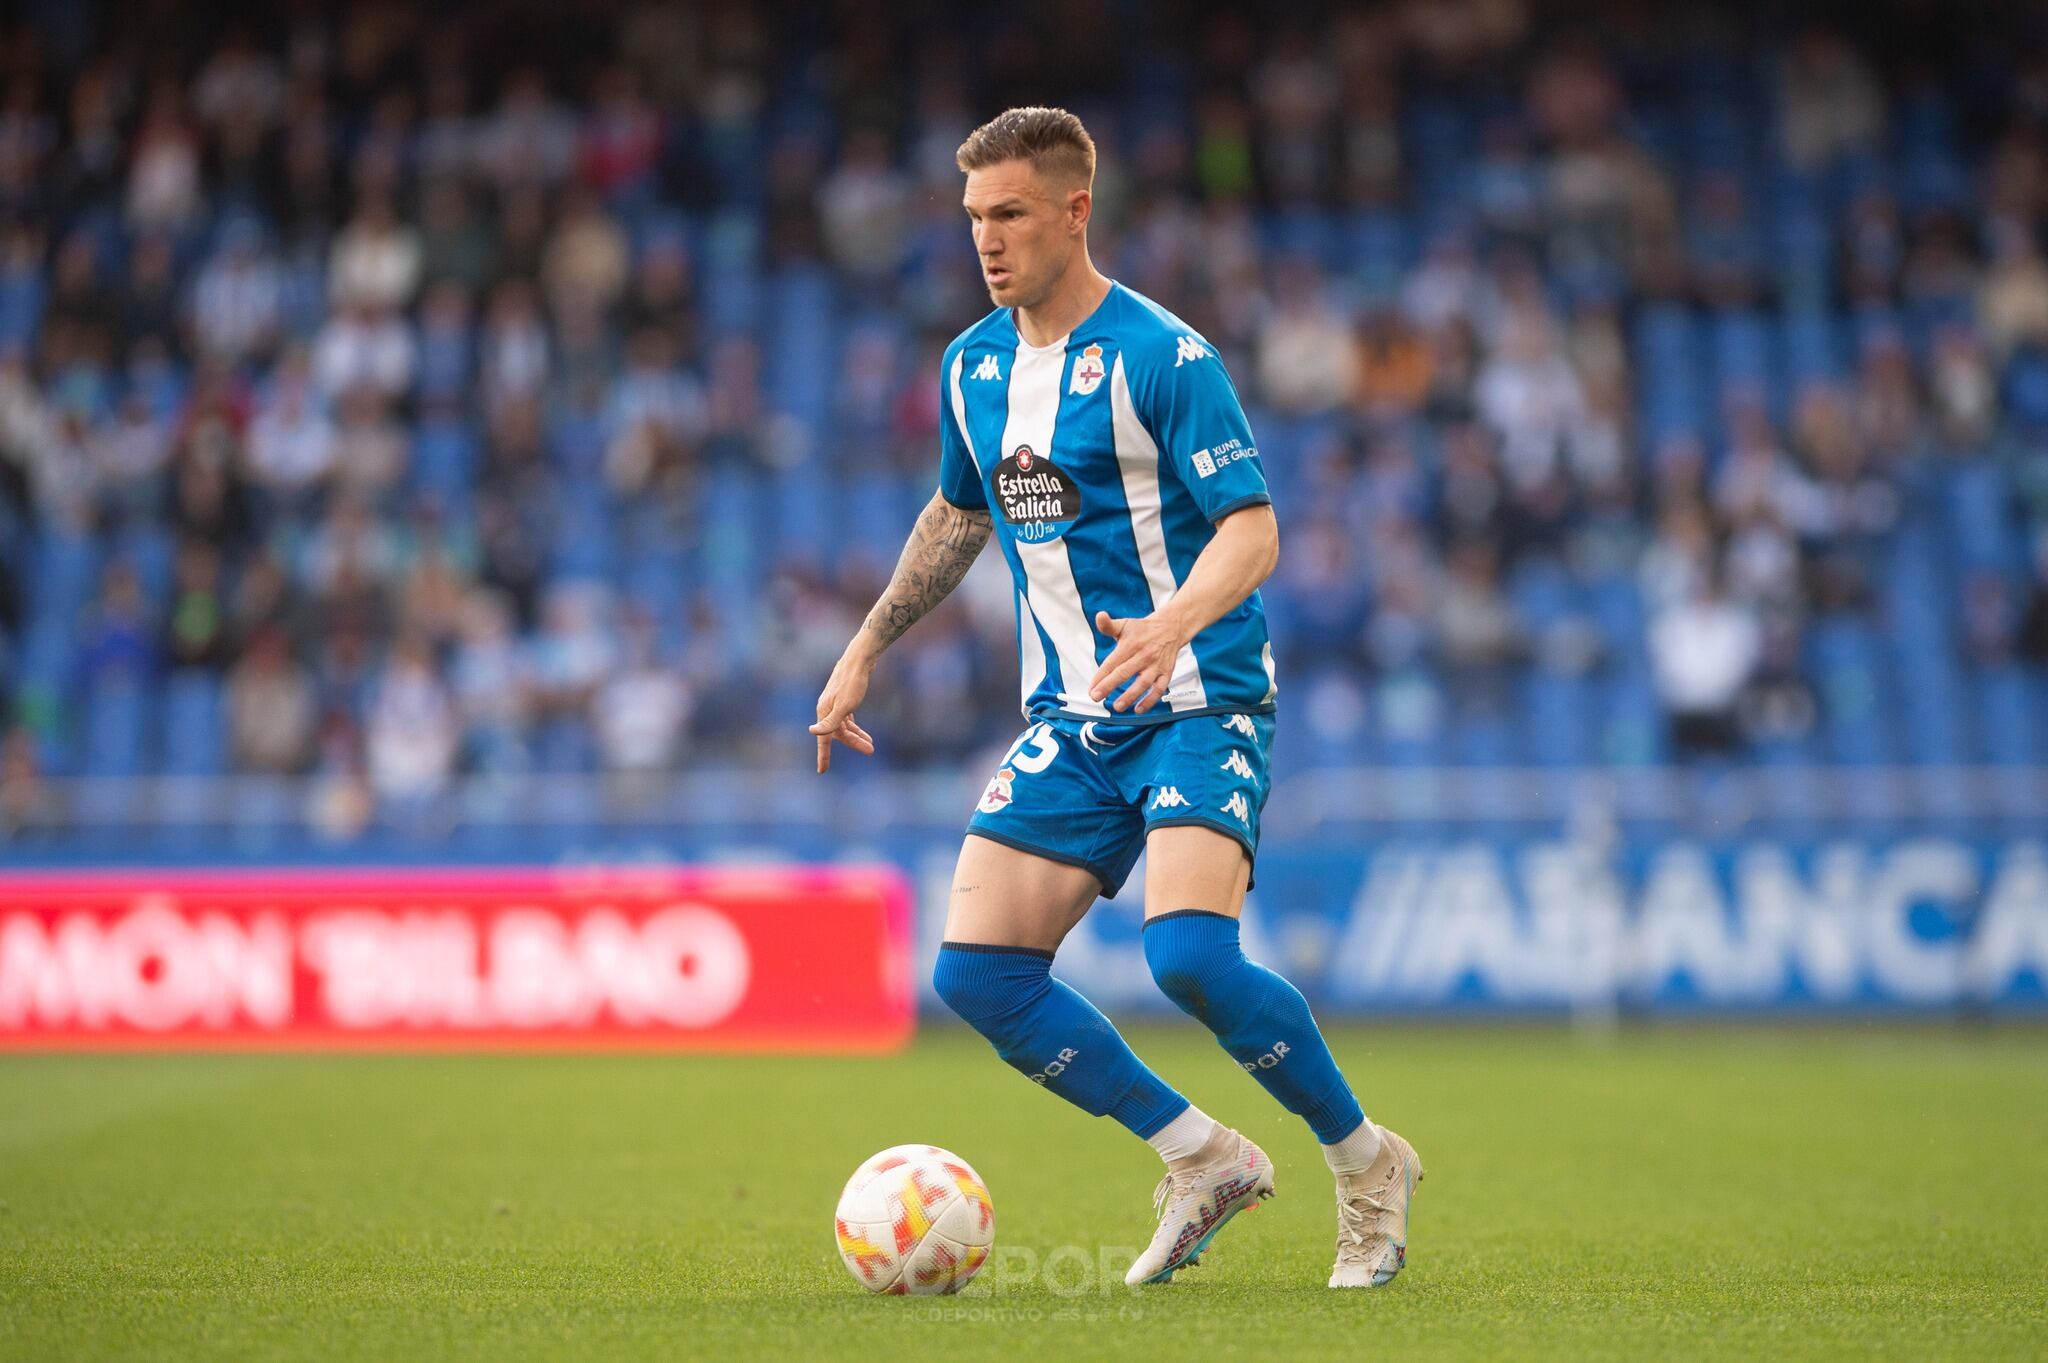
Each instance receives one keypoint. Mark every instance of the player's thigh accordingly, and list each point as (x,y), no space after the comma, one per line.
(1190,866)
(1003,896)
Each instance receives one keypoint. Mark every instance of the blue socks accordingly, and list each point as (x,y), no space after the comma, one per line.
(1052,1035)
(1258,1017)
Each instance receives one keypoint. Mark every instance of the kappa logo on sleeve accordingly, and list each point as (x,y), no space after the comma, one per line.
(987,369)
(1189,348)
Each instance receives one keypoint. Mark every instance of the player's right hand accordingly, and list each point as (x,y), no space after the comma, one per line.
(844,691)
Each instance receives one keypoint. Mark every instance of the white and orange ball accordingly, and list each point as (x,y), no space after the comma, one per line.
(915,1220)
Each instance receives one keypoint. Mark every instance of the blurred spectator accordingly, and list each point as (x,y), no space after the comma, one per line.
(642,709)
(238,300)
(410,730)
(1306,361)
(2013,297)
(493,682)
(197,633)
(454,247)
(862,205)
(587,257)
(528,138)
(1831,101)
(120,642)
(370,448)
(291,446)
(573,652)
(25,801)
(163,176)
(1474,625)
(362,348)
(271,707)
(1704,651)
(130,454)
(377,259)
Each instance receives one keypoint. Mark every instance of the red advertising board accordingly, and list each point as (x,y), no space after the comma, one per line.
(626,958)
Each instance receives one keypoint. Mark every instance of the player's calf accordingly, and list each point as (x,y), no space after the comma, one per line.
(1050,1034)
(1260,1019)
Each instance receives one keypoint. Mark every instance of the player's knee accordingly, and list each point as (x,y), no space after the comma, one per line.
(1188,953)
(985,985)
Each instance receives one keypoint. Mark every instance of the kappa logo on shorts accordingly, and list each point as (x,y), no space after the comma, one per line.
(998,793)
(1242,724)
(1169,797)
(1237,808)
(1237,766)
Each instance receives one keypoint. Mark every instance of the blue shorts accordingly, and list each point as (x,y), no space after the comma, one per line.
(1086,793)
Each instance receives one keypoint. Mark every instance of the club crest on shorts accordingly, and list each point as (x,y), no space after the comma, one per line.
(998,793)
(1088,371)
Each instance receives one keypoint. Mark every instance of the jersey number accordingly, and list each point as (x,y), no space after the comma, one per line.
(1042,748)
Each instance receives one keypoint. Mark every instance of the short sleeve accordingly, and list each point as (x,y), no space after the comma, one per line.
(1200,427)
(959,478)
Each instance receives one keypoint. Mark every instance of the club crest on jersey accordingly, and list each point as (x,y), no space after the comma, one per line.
(1037,498)
(998,793)
(1088,372)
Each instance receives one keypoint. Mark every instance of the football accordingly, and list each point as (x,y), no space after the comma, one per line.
(914,1220)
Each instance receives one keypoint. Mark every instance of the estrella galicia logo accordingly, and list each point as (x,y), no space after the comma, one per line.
(1037,497)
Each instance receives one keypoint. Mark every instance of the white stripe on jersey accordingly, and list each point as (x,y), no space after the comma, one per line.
(1137,459)
(960,413)
(1030,651)
(1054,596)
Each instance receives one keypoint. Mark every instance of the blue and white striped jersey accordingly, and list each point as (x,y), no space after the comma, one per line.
(1105,460)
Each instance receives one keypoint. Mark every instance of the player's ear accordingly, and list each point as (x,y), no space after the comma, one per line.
(1080,205)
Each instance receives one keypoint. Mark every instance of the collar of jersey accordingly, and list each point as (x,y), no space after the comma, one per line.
(1061,344)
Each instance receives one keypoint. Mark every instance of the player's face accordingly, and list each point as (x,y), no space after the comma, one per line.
(1025,228)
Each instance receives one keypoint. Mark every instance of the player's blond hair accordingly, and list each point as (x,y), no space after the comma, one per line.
(1052,140)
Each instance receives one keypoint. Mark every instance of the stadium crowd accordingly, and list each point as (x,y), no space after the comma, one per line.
(388,395)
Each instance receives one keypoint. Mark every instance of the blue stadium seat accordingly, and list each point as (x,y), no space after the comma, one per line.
(194,728)
(2009,712)
(1558,716)
(117,720)
(64,572)
(1633,727)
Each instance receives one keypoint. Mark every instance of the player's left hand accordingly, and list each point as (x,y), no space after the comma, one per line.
(843,693)
(1145,649)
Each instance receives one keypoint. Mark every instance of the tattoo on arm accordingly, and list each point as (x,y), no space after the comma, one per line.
(942,548)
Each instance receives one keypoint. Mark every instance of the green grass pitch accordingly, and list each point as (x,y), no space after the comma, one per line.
(1790,1193)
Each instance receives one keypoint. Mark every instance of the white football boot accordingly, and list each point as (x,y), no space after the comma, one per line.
(1194,1203)
(1372,1216)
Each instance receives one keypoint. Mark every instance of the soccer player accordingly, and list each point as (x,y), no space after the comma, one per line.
(1099,440)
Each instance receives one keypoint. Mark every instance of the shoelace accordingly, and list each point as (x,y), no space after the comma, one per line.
(1360,1202)
(1161,1196)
